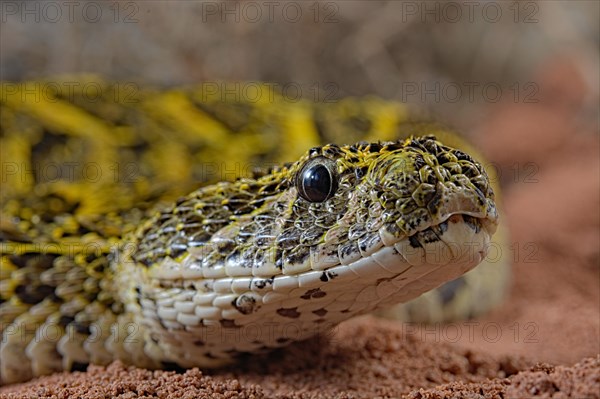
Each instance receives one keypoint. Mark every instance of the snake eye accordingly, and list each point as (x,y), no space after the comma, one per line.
(317,180)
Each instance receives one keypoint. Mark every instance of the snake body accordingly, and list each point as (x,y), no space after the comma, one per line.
(181,265)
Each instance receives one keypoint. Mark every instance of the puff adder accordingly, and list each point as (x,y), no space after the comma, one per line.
(191,226)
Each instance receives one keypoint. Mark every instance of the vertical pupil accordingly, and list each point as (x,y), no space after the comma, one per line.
(316,183)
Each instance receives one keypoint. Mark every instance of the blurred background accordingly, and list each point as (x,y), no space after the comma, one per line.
(448,57)
(520,78)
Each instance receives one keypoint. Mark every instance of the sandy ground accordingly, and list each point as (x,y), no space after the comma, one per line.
(544,341)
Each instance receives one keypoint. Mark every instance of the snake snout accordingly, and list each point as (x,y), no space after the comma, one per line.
(424,183)
(440,207)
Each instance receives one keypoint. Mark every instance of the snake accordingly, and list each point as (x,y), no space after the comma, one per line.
(193,226)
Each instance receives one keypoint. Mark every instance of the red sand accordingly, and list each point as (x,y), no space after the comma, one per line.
(552,315)
(366,359)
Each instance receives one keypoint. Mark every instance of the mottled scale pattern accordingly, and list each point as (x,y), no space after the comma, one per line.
(166,227)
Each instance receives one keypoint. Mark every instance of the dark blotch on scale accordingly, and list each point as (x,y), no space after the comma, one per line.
(291,313)
(35,259)
(31,294)
(65,320)
(443,158)
(375,147)
(332,150)
(348,249)
(419,161)
(432,147)
(299,256)
(313,293)
(260,284)
(320,312)
(244,304)
(397,145)
(359,173)
(82,328)
(414,242)
(462,156)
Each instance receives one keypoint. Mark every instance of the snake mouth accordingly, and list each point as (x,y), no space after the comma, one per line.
(458,238)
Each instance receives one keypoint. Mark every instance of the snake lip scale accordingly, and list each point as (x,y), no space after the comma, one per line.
(92,273)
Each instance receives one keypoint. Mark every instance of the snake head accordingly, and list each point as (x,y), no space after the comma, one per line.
(340,232)
(366,196)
